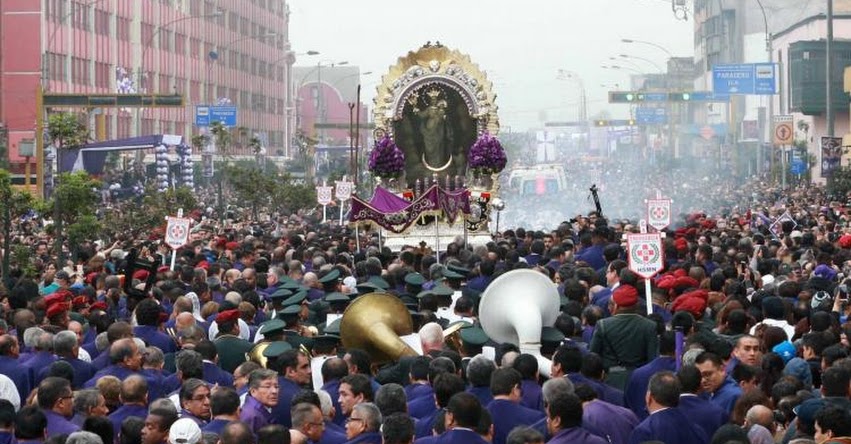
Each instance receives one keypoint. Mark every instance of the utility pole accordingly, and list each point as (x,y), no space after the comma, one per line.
(829,70)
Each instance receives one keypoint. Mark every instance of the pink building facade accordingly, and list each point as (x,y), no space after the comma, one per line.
(232,52)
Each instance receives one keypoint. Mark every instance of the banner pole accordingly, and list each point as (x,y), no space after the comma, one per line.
(437,238)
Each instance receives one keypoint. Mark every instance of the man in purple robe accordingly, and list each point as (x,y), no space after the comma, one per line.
(56,400)
(262,397)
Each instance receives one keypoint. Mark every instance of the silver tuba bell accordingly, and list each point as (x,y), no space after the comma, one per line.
(514,308)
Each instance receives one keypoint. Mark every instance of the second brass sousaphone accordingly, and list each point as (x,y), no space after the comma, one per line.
(515,307)
(373,323)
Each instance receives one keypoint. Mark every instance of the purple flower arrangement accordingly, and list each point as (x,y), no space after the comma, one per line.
(486,155)
(386,159)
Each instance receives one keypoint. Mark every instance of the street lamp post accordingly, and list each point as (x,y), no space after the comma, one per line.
(564,74)
(643,59)
(319,101)
(147,45)
(644,42)
(289,123)
(52,36)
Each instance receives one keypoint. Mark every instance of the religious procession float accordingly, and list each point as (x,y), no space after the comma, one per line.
(436,156)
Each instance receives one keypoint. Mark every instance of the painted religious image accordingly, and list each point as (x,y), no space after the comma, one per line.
(435,132)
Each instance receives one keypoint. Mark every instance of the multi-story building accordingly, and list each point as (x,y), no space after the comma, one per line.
(789,33)
(326,104)
(211,52)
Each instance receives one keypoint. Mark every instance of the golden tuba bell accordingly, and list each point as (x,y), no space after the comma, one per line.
(256,354)
(373,323)
(515,307)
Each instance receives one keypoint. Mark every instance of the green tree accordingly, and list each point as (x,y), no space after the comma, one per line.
(73,204)
(839,184)
(251,186)
(200,141)
(64,131)
(222,138)
(291,196)
(15,205)
(67,130)
(133,219)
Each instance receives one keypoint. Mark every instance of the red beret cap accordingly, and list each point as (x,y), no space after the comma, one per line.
(57,309)
(625,296)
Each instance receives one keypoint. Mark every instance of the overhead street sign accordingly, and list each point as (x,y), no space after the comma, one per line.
(112,100)
(650,116)
(662,97)
(745,79)
(783,131)
(206,115)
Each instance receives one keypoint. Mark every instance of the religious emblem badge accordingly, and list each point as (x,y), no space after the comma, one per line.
(323,195)
(478,217)
(344,190)
(646,257)
(659,213)
(177,231)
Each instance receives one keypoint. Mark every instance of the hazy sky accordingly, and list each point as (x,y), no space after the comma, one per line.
(520,44)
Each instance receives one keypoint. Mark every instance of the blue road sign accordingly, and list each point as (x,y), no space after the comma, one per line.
(798,167)
(746,79)
(650,116)
(205,115)
(708,96)
(652,97)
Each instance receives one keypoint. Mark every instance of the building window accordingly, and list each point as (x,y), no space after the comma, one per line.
(233,60)
(209,10)
(79,71)
(124,123)
(281,74)
(56,10)
(147,126)
(163,80)
(147,33)
(81,15)
(122,29)
(243,26)
(165,39)
(194,48)
(233,22)
(101,22)
(244,99)
(195,7)
(253,66)
(56,64)
(195,91)
(179,85)
(244,64)
(102,74)
(221,93)
(180,43)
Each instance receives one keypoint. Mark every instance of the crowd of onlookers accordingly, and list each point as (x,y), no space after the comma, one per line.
(240,340)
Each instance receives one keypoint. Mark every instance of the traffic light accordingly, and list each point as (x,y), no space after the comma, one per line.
(623,96)
(680,97)
(614,122)
(172,100)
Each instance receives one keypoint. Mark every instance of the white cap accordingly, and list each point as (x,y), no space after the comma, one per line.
(184,431)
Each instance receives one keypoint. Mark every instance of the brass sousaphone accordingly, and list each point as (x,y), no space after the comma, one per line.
(515,307)
(373,323)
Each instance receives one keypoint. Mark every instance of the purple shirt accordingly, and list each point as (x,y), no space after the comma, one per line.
(608,421)
(255,415)
(58,424)
(576,435)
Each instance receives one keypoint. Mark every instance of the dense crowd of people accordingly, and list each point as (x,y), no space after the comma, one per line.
(239,341)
